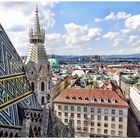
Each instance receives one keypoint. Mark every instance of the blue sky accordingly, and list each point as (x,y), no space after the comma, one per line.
(76,27)
(84,13)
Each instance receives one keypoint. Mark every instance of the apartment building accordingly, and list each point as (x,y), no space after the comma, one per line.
(96,112)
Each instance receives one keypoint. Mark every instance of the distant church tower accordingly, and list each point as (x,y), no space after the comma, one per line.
(36,64)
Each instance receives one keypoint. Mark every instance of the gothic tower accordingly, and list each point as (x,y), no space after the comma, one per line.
(36,65)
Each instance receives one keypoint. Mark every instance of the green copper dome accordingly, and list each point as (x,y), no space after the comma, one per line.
(54,63)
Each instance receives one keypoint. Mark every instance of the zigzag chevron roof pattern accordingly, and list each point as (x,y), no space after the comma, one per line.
(15,92)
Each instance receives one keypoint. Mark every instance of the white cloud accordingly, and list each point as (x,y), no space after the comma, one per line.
(133,38)
(128,51)
(97,20)
(115,37)
(17,18)
(53,36)
(119,15)
(110,35)
(117,41)
(77,34)
(133,23)
(125,31)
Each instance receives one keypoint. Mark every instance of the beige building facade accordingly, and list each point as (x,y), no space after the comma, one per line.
(97,120)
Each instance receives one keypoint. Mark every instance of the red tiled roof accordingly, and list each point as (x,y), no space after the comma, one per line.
(111,70)
(72,93)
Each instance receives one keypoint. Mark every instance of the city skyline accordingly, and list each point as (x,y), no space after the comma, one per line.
(78,28)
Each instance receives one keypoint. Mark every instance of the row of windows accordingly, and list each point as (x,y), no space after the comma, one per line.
(91,116)
(113,125)
(85,129)
(42,86)
(92,110)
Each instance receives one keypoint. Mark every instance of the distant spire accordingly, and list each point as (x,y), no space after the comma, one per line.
(36,9)
(36,22)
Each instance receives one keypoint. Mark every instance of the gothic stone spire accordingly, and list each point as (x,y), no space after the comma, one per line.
(37,53)
(36,34)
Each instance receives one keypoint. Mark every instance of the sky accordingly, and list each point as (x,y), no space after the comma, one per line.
(75,28)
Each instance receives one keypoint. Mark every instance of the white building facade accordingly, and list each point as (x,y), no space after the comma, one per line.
(93,120)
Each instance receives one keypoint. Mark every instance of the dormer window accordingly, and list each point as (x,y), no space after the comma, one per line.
(80,98)
(86,98)
(67,97)
(74,97)
(113,100)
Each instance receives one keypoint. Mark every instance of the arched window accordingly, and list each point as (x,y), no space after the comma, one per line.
(16,135)
(42,86)
(42,100)
(11,135)
(1,133)
(32,86)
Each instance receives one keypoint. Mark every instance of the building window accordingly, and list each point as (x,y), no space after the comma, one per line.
(99,110)
(78,122)
(92,129)
(92,110)
(85,123)
(99,118)
(99,131)
(59,107)
(66,114)
(78,108)
(85,129)
(85,116)
(32,86)
(65,107)
(78,128)
(55,112)
(106,125)
(113,132)
(120,126)
(113,119)
(105,111)
(113,125)
(42,86)
(120,133)
(85,109)
(92,117)
(92,123)
(78,115)
(120,112)
(66,120)
(72,108)
(42,100)
(113,111)
(72,114)
(105,131)
(106,118)
(120,119)
(59,114)
(99,124)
